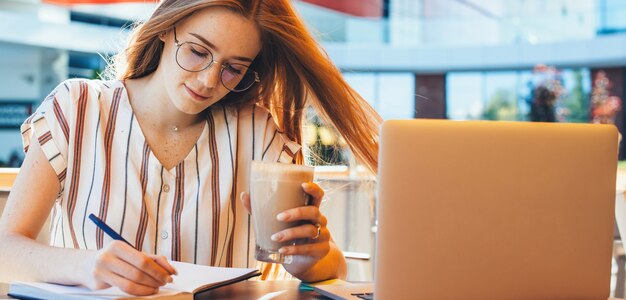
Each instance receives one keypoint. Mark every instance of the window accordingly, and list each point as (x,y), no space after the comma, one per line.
(507,95)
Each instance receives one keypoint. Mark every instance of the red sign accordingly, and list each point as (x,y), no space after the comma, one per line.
(359,8)
(72,2)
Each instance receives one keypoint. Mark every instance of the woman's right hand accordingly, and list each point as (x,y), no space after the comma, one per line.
(122,266)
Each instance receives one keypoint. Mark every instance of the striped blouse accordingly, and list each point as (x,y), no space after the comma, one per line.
(191,213)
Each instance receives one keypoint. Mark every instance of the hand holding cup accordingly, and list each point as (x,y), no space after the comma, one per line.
(284,203)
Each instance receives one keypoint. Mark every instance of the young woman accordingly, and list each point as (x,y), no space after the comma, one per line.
(162,153)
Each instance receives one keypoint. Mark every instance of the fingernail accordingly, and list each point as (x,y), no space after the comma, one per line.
(281,217)
(276,236)
(170,279)
(282,250)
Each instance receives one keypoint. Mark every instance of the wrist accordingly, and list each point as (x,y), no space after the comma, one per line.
(74,268)
(300,266)
(307,269)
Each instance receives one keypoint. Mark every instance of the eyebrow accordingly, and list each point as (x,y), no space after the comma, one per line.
(241,58)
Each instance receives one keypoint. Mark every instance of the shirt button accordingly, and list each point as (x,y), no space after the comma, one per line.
(164,234)
(166,188)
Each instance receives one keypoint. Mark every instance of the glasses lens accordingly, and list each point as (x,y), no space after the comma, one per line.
(237,77)
(193,57)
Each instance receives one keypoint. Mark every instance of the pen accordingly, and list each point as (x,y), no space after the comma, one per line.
(116,236)
(108,230)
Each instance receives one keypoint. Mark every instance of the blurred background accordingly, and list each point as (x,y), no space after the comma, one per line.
(524,60)
(529,60)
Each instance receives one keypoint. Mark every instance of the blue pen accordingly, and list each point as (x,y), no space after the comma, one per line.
(108,230)
(116,236)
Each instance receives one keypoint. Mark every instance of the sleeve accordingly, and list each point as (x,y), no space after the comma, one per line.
(50,125)
(276,146)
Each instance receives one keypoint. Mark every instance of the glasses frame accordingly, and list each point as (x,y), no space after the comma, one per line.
(222,66)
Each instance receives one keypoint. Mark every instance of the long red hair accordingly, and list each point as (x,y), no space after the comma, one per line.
(292,66)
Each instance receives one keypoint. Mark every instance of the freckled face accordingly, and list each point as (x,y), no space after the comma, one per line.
(233,41)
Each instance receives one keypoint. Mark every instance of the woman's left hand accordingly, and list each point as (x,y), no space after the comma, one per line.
(315,255)
(313,238)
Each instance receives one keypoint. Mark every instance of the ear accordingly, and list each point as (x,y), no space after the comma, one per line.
(162,36)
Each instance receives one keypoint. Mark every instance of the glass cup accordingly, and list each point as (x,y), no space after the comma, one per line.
(274,188)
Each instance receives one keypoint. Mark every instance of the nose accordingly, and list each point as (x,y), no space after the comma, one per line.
(210,76)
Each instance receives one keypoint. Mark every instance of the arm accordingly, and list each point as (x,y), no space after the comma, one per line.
(30,201)
(26,210)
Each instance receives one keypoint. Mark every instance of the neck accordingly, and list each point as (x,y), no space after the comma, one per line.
(149,98)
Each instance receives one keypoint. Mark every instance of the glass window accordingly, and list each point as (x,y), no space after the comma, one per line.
(391,94)
(464,93)
(500,96)
(611,16)
(508,95)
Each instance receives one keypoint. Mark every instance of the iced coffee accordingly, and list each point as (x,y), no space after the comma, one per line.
(274,188)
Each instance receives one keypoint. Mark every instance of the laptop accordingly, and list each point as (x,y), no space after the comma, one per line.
(494,210)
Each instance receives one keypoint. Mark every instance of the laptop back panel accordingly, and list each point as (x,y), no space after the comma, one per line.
(499,210)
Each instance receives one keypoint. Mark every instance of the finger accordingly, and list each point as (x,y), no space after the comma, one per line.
(302,213)
(129,272)
(307,231)
(162,261)
(245,200)
(315,191)
(317,250)
(129,286)
(142,262)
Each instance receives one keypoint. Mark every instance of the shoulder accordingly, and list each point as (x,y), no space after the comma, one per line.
(255,113)
(78,89)
(247,114)
(77,84)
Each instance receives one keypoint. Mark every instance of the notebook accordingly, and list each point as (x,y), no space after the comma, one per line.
(191,279)
(501,210)
(494,210)
(342,290)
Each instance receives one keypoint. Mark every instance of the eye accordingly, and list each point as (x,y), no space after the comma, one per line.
(234,69)
(198,52)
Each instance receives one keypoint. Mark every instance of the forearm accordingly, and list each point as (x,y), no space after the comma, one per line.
(22,258)
(331,266)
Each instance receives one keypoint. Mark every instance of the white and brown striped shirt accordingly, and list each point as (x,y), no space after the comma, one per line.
(191,213)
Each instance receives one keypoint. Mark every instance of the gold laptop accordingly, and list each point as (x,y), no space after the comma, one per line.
(495,210)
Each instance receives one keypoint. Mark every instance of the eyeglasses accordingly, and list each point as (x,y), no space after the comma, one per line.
(194,57)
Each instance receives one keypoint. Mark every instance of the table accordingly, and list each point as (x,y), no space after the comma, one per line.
(275,290)
(257,289)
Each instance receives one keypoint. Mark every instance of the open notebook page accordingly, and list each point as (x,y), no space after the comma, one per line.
(190,278)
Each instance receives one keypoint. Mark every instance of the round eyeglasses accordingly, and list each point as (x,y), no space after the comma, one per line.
(194,57)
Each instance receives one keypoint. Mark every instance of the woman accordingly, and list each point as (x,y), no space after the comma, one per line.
(163,152)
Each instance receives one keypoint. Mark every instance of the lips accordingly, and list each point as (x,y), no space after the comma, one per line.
(195,95)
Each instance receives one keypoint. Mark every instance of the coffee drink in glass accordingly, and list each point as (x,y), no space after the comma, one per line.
(274,188)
